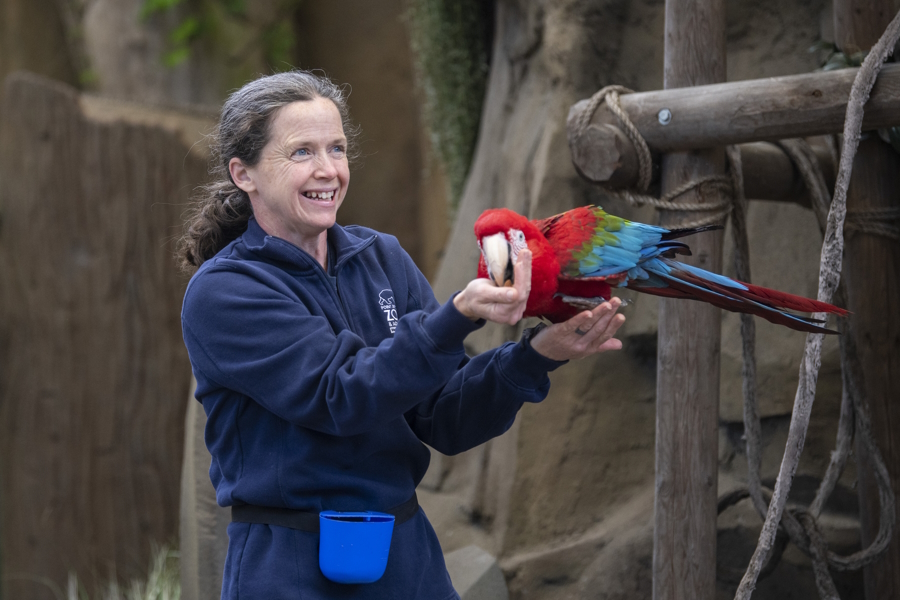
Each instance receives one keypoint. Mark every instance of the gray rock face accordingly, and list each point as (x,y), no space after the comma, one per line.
(476,575)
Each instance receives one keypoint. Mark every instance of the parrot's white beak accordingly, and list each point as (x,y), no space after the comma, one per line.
(495,249)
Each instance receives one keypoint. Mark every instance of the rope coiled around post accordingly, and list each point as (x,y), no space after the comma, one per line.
(721,185)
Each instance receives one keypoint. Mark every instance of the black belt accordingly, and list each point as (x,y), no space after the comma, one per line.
(307,520)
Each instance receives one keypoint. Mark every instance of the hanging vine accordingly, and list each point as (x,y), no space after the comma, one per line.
(449,41)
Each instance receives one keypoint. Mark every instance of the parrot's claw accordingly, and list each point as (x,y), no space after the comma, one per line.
(586,303)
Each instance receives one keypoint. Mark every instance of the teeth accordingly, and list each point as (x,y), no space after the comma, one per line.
(319,195)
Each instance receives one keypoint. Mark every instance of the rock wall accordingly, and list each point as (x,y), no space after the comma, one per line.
(396,183)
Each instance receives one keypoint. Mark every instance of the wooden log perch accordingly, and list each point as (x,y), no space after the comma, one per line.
(769,173)
(727,113)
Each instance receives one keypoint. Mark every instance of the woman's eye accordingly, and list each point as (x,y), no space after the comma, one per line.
(301,152)
(338,149)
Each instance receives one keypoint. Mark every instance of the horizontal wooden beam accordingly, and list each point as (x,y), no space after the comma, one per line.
(727,113)
(769,173)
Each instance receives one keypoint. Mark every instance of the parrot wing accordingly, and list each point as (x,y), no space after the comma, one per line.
(593,244)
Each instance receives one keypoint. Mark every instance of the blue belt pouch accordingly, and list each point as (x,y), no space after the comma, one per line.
(354,546)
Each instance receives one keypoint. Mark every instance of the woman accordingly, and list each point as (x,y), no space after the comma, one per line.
(323,360)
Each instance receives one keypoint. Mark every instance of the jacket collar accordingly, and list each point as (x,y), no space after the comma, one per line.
(345,245)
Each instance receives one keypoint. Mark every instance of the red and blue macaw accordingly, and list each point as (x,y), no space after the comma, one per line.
(580,255)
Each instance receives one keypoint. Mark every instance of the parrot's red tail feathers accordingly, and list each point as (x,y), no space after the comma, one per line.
(792,302)
(755,300)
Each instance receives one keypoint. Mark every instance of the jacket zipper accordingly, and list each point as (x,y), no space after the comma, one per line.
(338,265)
(343,307)
(335,290)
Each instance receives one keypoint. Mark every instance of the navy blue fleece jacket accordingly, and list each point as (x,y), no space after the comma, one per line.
(320,389)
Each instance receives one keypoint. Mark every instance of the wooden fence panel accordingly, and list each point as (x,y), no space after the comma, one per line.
(93,371)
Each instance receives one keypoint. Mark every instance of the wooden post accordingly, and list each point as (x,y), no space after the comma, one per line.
(871,269)
(687,389)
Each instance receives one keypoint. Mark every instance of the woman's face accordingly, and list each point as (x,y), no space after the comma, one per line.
(301,178)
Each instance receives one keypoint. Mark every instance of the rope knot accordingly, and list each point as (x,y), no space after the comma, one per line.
(610,95)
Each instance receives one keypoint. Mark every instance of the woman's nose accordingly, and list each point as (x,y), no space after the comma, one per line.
(325,168)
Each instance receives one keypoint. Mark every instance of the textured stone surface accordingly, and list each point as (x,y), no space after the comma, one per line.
(476,575)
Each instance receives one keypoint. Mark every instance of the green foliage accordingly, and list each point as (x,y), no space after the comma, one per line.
(278,44)
(228,25)
(449,44)
(151,7)
(87,78)
(836,59)
(180,39)
(163,582)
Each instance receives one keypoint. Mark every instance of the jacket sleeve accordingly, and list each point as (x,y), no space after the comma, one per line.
(248,335)
(481,400)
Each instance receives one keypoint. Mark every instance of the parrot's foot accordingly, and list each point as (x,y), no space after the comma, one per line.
(586,303)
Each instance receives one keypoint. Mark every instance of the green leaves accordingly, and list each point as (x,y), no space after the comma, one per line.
(152,7)
(180,39)
(449,44)
(227,25)
(278,44)
(836,59)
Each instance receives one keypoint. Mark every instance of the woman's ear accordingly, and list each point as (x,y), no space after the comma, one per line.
(240,175)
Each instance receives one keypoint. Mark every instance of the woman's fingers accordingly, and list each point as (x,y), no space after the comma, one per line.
(606,319)
(523,274)
(588,332)
(482,299)
(591,325)
(609,329)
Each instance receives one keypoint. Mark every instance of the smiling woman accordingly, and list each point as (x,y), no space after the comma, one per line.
(325,364)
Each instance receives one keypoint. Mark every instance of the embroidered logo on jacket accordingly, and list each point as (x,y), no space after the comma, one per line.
(386,300)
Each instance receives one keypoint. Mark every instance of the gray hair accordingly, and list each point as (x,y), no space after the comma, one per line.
(221,210)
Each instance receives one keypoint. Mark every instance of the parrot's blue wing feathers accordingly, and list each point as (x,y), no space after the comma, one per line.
(620,246)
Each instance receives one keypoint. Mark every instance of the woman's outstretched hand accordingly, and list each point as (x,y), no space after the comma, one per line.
(588,332)
(505,305)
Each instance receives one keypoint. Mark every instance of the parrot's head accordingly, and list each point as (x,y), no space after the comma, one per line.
(502,235)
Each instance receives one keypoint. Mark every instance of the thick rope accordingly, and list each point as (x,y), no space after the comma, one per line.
(829,275)
(610,95)
(721,185)
(802,529)
(875,221)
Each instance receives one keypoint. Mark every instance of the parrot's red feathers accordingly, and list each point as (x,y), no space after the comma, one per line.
(792,302)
